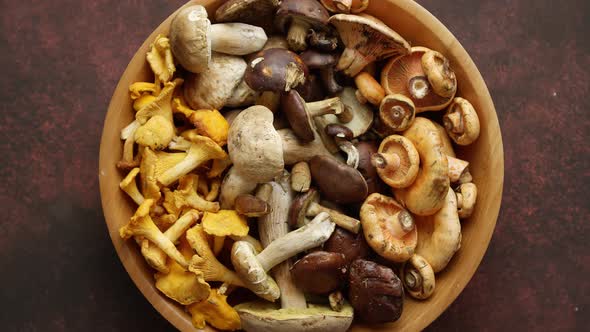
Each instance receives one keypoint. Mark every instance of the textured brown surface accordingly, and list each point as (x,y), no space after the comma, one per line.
(61,61)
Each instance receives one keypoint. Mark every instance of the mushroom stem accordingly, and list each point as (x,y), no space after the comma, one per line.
(456,168)
(297,35)
(403,225)
(352,153)
(336,300)
(413,280)
(329,81)
(343,6)
(342,220)
(304,238)
(352,62)
(459,200)
(301,177)
(386,160)
(454,123)
(323,107)
(419,87)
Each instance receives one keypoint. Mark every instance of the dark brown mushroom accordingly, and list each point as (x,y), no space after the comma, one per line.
(325,41)
(366,149)
(320,272)
(376,293)
(352,246)
(313,89)
(342,136)
(297,17)
(325,63)
(251,206)
(338,182)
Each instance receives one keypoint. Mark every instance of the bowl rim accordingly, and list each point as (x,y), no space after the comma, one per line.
(418,13)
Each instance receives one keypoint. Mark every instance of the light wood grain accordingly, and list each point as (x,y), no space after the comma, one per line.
(486,156)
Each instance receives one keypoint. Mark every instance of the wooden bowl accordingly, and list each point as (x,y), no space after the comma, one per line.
(419,27)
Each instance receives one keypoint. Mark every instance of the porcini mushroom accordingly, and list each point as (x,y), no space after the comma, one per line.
(407,75)
(397,161)
(389,229)
(257,12)
(256,151)
(237,38)
(296,17)
(461,122)
(251,206)
(307,205)
(129,186)
(253,268)
(351,245)
(418,277)
(427,193)
(439,235)
(320,272)
(367,39)
(295,151)
(338,182)
(466,198)
(397,112)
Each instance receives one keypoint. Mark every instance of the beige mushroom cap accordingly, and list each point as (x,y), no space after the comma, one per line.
(397,161)
(466,198)
(461,122)
(267,317)
(189,40)
(418,277)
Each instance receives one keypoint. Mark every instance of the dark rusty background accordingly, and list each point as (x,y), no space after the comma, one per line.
(61,59)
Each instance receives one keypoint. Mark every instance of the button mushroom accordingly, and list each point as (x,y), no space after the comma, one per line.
(307,205)
(389,229)
(427,194)
(338,182)
(256,152)
(408,75)
(461,122)
(352,246)
(320,272)
(367,39)
(253,268)
(466,198)
(376,293)
(418,277)
(397,112)
(439,235)
(297,17)
(397,161)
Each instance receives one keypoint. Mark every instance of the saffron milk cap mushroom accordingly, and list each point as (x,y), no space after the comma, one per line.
(397,112)
(397,161)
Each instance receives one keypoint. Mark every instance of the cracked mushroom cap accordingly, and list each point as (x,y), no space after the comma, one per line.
(367,39)
(267,317)
(397,112)
(407,76)
(189,38)
(397,161)
(277,70)
(389,229)
(338,182)
(461,122)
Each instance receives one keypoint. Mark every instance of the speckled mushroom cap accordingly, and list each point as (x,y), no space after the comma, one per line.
(310,11)
(275,69)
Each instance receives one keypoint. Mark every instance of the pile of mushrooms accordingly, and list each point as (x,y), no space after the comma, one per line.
(288,148)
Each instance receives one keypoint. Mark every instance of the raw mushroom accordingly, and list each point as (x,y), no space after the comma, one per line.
(366,150)
(439,73)
(346,6)
(418,277)
(295,151)
(212,88)
(461,122)
(458,169)
(253,267)
(256,152)
(325,62)
(397,161)
(185,196)
(352,246)
(320,272)
(323,40)
(389,229)
(369,90)
(312,90)
(367,39)
(406,75)
(129,186)
(242,96)
(376,293)
(307,205)
(256,12)
(397,112)
(300,114)
(342,137)
(301,177)
(466,198)
(338,182)
(207,122)
(216,311)
(439,235)
(192,38)
(427,194)
(297,17)
(153,165)
(362,115)
(251,206)
(447,145)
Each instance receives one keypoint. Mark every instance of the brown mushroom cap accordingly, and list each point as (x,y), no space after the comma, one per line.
(338,182)
(405,75)
(246,11)
(367,39)
(275,69)
(389,228)
(397,112)
(317,60)
(251,206)
(352,246)
(308,11)
(300,205)
(397,161)
(366,149)
(294,108)
(319,272)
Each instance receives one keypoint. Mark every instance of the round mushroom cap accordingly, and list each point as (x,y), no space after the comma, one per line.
(376,293)
(276,69)
(298,209)
(338,182)
(397,112)
(319,272)
(439,73)
(389,229)
(243,258)
(315,60)
(397,161)
(310,11)
(246,11)
(294,107)
(461,122)
(189,38)
(352,246)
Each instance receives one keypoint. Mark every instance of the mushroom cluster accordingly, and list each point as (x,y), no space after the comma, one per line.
(283,147)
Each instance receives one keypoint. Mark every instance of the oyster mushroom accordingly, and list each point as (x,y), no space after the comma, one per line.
(367,39)
(338,182)
(389,229)
(407,75)
(466,198)
(427,193)
(397,112)
(296,17)
(461,122)
(397,161)
(439,235)
(418,277)
(256,151)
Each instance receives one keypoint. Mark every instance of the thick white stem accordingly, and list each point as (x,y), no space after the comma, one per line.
(234,185)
